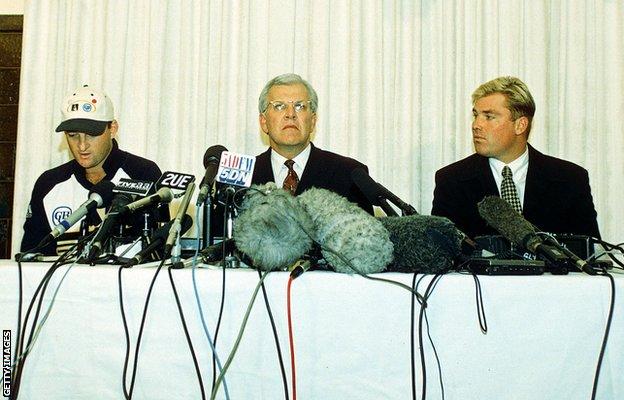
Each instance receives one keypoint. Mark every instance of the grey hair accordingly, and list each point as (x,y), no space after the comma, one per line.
(519,99)
(287,79)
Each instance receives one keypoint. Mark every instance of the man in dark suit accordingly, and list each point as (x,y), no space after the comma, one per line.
(551,193)
(287,106)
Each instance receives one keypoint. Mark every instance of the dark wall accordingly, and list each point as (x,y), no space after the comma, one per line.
(10,59)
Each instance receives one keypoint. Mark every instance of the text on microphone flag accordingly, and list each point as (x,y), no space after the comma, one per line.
(236,169)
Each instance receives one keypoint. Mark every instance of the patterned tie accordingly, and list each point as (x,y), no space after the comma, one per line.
(292,180)
(508,190)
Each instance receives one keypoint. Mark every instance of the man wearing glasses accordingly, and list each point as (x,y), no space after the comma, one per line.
(287,106)
(551,193)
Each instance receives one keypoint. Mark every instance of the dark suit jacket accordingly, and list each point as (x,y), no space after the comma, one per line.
(324,170)
(557,196)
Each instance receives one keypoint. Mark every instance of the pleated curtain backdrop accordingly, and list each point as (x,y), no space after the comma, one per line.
(394,80)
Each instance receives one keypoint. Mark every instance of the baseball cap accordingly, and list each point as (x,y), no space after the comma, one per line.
(87,110)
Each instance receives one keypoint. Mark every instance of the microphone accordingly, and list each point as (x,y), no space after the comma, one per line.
(163,195)
(272,227)
(215,252)
(502,217)
(120,201)
(158,238)
(346,232)
(211,163)
(422,243)
(100,194)
(377,194)
(176,227)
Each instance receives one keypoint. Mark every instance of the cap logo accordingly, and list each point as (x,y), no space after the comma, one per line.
(74,107)
(87,107)
(60,213)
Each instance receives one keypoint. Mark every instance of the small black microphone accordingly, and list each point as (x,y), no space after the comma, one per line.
(377,194)
(158,239)
(211,163)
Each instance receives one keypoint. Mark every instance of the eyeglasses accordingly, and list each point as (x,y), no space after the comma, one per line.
(281,106)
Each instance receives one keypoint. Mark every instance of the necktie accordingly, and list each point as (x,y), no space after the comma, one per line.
(508,190)
(292,180)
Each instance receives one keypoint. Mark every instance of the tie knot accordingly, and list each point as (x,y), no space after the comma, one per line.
(289,164)
(507,172)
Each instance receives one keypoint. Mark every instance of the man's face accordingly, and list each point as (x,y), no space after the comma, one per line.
(494,132)
(289,131)
(91,151)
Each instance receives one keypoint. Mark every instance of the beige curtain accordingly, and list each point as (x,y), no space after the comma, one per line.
(394,80)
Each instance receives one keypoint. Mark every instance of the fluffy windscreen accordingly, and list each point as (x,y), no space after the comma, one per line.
(422,243)
(271,227)
(344,228)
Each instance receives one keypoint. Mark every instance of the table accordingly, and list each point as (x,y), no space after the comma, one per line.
(352,335)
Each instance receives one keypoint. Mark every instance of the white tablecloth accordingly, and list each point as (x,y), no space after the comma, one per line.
(352,336)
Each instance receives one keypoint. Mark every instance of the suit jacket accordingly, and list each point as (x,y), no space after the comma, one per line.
(557,196)
(324,170)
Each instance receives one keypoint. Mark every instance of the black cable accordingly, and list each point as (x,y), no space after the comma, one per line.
(435,351)
(186,333)
(480,306)
(412,349)
(608,247)
(126,334)
(423,306)
(606,334)
(138,342)
(39,292)
(221,306)
(277,343)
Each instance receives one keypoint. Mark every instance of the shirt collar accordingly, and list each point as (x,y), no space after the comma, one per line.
(516,165)
(301,159)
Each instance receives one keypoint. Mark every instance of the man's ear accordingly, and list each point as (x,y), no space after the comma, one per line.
(263,123)
(114,126)
(521,125)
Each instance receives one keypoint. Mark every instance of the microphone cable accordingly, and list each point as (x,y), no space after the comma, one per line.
(423,314)
(291,343)
(21,358)
(128,392)
(275,336)
(201,311)
(230,358)
(605,337)
(222,302)
(186,333)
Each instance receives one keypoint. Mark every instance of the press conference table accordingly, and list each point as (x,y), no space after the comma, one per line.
(352,335)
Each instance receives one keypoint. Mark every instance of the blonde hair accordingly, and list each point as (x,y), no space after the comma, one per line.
(519,100)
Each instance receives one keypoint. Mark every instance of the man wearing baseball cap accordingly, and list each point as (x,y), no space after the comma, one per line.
(89,125)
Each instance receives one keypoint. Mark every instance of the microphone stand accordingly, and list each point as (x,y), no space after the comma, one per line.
(206,237)
(230,258)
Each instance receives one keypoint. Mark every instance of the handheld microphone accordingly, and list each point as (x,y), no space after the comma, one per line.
(163,195)
(158,238)
(112,219)
(502,217)
(272,227)
(211,163)
(346,232)
(377,194)
(422,243)
(100,194)
(176,227)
